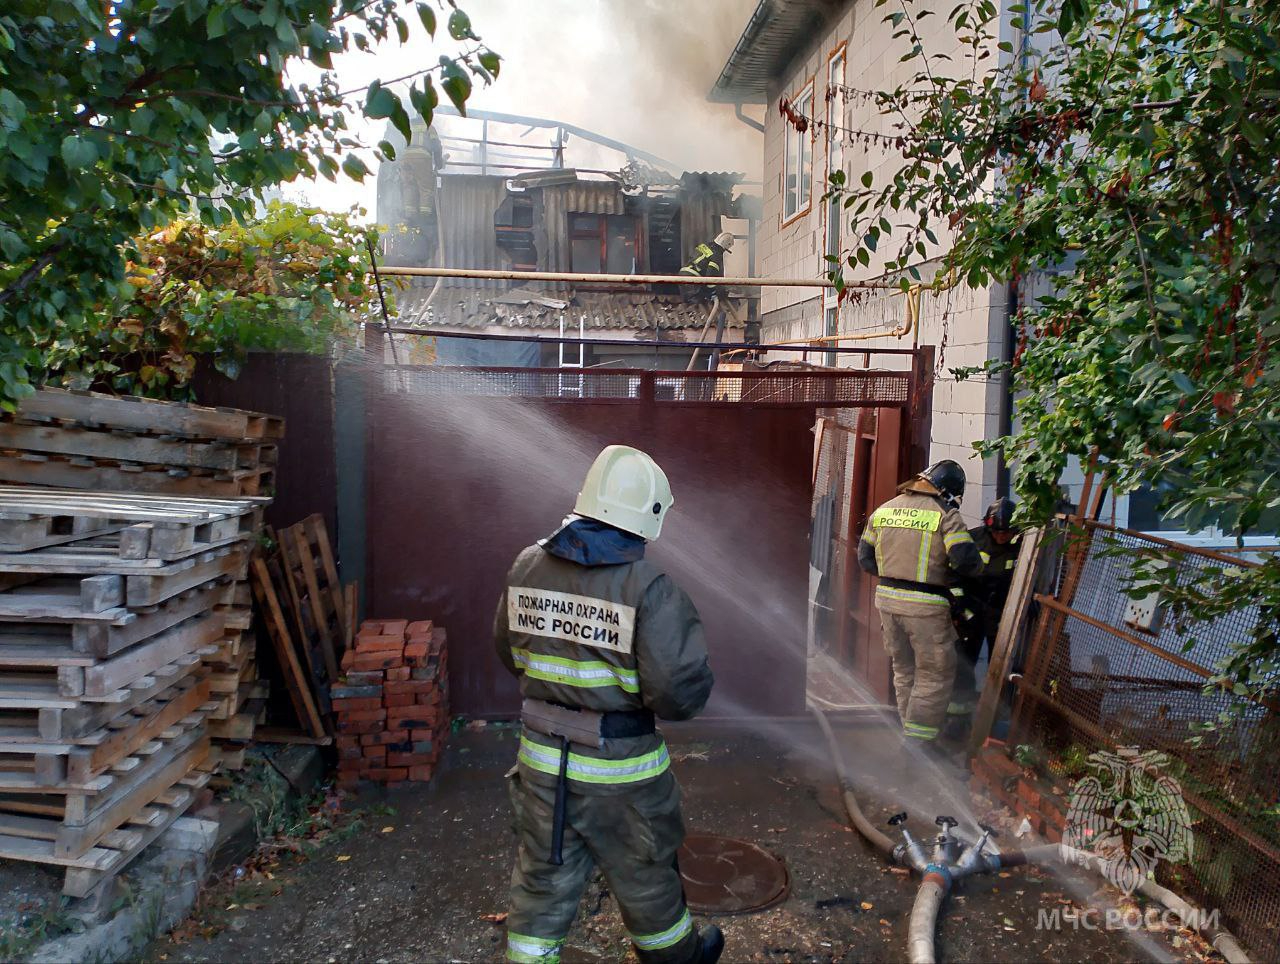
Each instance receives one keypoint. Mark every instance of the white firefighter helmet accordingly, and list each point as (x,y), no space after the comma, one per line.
(725,240)
(626,489)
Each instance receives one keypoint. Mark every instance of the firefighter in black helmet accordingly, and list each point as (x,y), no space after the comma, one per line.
(984,597)
(917,544)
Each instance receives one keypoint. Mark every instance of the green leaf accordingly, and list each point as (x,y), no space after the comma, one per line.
(460,26)
(214,24)
(490,61)
(457,87)
(354,168)
(428,18)
(78,152)
(379,101)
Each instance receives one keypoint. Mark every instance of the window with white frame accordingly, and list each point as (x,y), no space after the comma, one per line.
(835,148)
(797,176)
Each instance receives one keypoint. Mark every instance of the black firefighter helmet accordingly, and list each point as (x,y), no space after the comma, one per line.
(945,476)
(999,515)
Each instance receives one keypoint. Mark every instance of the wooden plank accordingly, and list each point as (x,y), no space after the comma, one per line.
(38,532)
(20,501)
(186,637)
(60,472)
(150,416)
(150,450)
(42,852)
(151,588)
(1017,604)
(297,679)
(280,734)
(305,564)
(319,538)
(83,763)
(84,827)
(103,640)
(81,882)
(87,718)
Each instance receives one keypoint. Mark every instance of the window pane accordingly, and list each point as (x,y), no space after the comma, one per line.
(584,255)
(805,167)
(622,256)
(1144,514)
(789,173)
(584,224)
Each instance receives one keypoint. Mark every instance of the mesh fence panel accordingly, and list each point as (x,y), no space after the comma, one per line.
(1096,679)
(844,388)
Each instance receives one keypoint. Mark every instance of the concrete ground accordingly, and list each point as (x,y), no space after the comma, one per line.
(429,882)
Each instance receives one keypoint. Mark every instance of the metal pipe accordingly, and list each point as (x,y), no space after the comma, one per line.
(629,342)
(582,277)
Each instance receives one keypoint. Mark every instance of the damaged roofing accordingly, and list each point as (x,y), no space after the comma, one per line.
(458,309)
(776,32)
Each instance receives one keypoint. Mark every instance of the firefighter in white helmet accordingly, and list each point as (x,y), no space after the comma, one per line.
(602,643)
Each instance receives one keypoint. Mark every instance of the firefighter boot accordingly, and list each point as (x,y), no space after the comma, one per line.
(710,945)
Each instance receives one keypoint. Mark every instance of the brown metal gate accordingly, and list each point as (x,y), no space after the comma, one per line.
(467,466)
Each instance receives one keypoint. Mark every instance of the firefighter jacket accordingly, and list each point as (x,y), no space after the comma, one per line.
(708,261)
(916,543)
(587,623)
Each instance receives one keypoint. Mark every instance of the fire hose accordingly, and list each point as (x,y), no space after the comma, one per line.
(953,857)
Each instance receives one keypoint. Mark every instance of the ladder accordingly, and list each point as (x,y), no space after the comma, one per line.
(571,385)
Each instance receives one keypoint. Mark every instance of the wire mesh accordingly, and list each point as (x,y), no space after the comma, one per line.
(1100,675)
(819,389)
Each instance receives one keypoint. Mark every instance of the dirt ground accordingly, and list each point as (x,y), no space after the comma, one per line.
(428,881)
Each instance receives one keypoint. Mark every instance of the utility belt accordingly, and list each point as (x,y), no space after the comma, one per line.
(955,598)
(587,728)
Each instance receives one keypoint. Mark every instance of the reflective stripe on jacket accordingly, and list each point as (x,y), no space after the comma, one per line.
(601,637)
(708,261)
(916,538)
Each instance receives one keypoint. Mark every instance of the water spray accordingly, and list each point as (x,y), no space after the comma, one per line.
(952,858)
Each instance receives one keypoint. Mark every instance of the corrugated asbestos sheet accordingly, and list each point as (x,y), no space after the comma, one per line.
(466,225)
(641,312)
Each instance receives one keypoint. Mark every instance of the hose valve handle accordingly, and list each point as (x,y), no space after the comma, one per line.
(898,818)
(946,823)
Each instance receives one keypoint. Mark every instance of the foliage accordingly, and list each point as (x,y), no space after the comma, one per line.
(287,281)
(32,926)
(1124,153)
(117,117)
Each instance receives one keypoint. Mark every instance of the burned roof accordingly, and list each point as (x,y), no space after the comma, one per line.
(776,32)
(458,309)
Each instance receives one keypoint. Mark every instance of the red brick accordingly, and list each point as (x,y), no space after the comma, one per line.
(432,671)
(384,627)
(398,674)
(410,759)
(343,742)
(353,765)
(385,737)
(421,773)
(360,726)
(379,644)
(412,717)
(375,752)
(416,651)
(354,705)
(1051,833)
(408,686)
(372,713)
(430,699)
(421,627)
(398,699)
(1000,764)
(373,678)
(1029,796)
(351,752)
(367,662)
(386,774)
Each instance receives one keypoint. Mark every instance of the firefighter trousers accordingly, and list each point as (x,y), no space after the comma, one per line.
(922,650)
(632,837)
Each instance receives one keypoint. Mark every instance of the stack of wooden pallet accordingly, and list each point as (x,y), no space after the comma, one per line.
(99,443)
(86,440)
(108,604)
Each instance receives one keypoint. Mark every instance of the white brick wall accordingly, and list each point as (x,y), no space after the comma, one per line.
(965,327)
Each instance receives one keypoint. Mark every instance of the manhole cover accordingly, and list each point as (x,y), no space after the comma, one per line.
(727,876)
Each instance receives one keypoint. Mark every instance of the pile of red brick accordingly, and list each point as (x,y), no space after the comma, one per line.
(392,703)
(1004,781)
